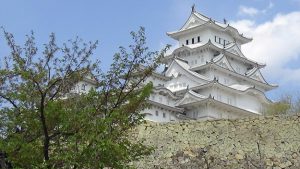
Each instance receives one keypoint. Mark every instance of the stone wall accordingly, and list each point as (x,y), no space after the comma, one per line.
(260,142)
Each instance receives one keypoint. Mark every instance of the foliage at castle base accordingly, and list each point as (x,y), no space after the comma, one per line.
(44,126)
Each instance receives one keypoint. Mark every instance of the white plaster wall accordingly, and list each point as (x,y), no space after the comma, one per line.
(162,99)
(242,100)
(151,115)
(204,36)
(249,102)
(199,58)
(156,81)
(78,88)
(181,83)
(219,113)
(223,35)
(223,78)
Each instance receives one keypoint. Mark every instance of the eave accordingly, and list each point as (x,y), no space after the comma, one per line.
(159,89)
(266,86)
(211,45)
(221,104)
(215,83)
(174,109)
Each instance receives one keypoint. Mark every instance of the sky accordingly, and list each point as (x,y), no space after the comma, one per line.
(274,26)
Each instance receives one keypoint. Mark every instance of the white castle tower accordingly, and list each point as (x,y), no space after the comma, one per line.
(207,76)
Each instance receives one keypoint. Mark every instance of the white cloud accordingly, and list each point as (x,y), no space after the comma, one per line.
(276,43)
(250,11)
(244,10)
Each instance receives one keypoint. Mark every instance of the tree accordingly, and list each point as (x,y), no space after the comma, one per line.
(282,107)
(42,128)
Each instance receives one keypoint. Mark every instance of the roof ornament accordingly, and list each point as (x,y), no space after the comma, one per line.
(225,21)
(193,8)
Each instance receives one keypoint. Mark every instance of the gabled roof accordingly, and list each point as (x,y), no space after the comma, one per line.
(186,68)
(199,21)
(223,61)
(190,97)
(160,89)
(234,48)
(256,75)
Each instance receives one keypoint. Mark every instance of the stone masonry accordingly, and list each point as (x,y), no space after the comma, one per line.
(259,142)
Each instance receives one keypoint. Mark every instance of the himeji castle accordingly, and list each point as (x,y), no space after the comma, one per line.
(207,76)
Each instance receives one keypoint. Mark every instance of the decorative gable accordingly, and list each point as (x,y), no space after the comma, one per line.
(223,62)
(190,97)
(235,50)
(258,76)
(192,22)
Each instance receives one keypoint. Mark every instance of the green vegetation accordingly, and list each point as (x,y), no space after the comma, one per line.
(43,126)
(287,105)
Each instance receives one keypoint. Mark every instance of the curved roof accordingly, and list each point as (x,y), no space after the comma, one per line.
(265,85)
(204,21)
(217,47)
(175,109)
(158,89)
(224,105)
(186,67)
(188,96)
(236,88)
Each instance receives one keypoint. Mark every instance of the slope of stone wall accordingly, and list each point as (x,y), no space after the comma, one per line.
(260,142)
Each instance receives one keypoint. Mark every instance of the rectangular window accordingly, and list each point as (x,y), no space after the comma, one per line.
(164,115)
(224,42)
(219,40)
(83,87)
(156,113)
(187,42)
(198,38)
(193,41)
(215,38)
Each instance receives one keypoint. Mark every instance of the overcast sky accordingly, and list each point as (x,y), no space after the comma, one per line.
(274,26)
